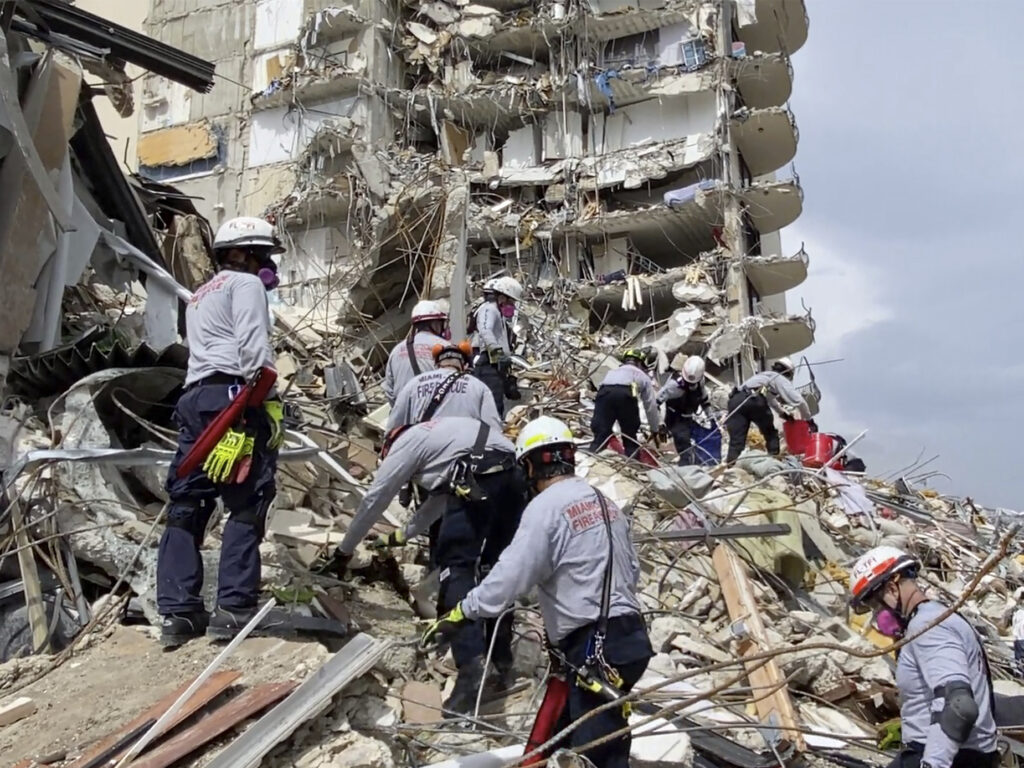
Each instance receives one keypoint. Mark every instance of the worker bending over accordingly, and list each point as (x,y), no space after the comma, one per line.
(494,363)
(449,390)
(574,545)
(413,356)
(228,327)
(469,470)
(947,707)
(683,395)
(618,400)
(755,400)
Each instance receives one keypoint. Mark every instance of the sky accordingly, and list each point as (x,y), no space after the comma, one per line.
(910,115)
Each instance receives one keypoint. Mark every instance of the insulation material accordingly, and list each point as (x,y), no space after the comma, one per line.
(278,23)
(280,135)
(563,135)
(178,146)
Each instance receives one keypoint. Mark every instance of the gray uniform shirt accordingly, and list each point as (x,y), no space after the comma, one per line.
(424,453)
(467,397)
(778,388)
(948,651)
(643,388)
(561,546)
(228,325)
(490,328)
(399,370)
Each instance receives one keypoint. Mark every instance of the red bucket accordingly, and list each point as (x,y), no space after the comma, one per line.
(797,434)
(819,451)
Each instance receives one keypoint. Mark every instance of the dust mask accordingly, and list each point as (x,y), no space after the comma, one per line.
(508,311)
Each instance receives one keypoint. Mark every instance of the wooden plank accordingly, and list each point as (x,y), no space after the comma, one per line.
(222,719)
(16,710)
(775,709)
(177,146)
(210,690)
(30,580)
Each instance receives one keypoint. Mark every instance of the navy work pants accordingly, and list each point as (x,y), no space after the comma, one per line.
(471,538)
(912,754)
(746,407)
(488,373)
(627,648)
(681,428)
(615,403)
(179,568)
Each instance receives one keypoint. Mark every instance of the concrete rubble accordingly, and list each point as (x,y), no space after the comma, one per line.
(94,363)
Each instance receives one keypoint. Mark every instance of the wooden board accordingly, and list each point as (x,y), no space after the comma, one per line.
(16,710)
(210,690)
(775,709)
(220,720)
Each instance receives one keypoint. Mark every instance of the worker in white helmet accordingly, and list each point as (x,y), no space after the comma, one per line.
(753,402)
(494,364)
(947,705)
(228,329)
(415,354)
(574,545)
(683,395)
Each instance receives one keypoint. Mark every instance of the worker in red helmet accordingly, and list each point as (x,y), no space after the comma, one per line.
(228,330)
(947,706)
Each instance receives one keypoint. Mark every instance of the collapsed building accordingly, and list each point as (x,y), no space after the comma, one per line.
(628,164)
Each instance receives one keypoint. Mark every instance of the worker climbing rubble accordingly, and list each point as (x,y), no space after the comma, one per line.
(449,390)
(574,545)
(414,355)
(683,395)
(754,401)
(618,400)
(947,704)
(494,363)
(478,493)
(228,324)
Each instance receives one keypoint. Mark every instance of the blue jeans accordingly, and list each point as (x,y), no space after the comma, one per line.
(179,568)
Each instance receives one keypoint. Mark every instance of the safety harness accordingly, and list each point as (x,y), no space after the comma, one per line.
(410,345)
(462,477)
(439,395)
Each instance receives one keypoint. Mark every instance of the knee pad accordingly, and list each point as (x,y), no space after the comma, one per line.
(190,516)
(253,514)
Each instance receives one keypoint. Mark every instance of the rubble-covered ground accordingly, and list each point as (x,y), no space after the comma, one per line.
(719,603)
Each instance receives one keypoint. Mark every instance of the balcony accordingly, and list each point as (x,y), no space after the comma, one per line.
(773,205)
(779,26)
(766,138)
(776,337)
(764,79)
(771,275)
(630,86)
(610,19)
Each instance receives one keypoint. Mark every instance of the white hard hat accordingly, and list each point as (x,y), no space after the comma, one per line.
(428,310)
(783,365)
(505,285)
(245,232)
(542,431)
(873,569)
(693,369)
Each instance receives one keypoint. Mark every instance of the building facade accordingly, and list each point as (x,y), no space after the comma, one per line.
(642,152)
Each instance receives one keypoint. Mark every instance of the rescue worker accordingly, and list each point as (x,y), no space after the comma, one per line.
(414,356)
(947,704)
(755,400)
(477,491)
(683,395)
(618,400)
(574,545)
(494,363)
(449,390)
(228,326)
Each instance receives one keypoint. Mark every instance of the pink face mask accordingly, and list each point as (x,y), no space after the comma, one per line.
(508,310)
(269,278)
(889,623)
(446,334)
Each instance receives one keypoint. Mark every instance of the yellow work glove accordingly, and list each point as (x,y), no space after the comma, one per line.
(275,412)
(226,454)
(393,539)
(494,354)
(443,625)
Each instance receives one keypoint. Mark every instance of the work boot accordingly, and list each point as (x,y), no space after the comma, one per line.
(225,623)
(500,680)
(178,628)
(333,564)
(467,684)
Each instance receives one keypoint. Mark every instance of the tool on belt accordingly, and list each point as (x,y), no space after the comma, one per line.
(462,477)
(250,396)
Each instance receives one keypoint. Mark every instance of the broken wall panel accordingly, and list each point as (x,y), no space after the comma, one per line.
(664,119)
(278,22)
(280,135)
(178,146)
